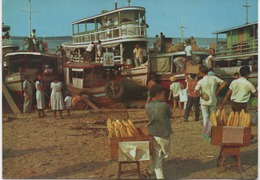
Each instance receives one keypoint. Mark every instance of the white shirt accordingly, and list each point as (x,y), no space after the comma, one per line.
(67,100)
(207,61)
(208,84)
(175,87)
(188,50)
(241,90)
(90,47)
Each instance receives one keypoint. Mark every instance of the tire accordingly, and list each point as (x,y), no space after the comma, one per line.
(118,90)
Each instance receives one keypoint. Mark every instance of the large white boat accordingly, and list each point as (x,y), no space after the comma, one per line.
(119,31)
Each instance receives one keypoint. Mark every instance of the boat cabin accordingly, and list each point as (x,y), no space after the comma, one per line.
(239,48)
(31,63)
(119,30)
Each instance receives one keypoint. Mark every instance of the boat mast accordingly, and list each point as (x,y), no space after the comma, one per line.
(29,16)
(182,32)
(246,6)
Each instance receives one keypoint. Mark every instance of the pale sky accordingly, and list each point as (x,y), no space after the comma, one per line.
(201,17)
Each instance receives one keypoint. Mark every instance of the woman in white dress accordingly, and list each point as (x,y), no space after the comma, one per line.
(57,98)
(40,97)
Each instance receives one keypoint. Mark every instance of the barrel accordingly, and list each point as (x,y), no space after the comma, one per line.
(79,103)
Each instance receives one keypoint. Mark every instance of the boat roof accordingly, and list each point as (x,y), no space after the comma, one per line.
(30,53)
(91,19)
(232,28)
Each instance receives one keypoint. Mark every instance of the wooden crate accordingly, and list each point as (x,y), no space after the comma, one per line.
(195,69)
(218,134)
(114,142)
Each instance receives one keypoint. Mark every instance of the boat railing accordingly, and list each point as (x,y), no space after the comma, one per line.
(112,33)
(241,48)
(117,60)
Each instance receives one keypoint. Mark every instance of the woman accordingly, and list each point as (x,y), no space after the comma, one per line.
(57,98)
(40,97)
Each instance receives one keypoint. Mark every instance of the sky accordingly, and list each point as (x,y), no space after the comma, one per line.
(200,17)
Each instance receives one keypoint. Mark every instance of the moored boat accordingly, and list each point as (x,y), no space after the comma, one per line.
(119,31)
(240,48)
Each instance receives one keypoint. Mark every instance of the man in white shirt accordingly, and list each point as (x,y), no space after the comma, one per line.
(240,91)
(208,88)
(138,55)
(89,52)
(188,51)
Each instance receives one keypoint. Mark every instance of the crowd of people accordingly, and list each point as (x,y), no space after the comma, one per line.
(56,100)
(203,93)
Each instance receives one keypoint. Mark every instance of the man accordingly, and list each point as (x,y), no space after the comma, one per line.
(193,98)
(159,127)
(99,51)
(155,44)
(188,52)
(89,52)
(208,61)
(240,91)
(138,55)
(28,95)
(208,89)
(179,63)
(33,36)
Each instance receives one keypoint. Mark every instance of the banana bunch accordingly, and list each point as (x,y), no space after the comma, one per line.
(235,119)
(121,128)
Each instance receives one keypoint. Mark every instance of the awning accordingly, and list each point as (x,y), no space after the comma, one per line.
(110,45)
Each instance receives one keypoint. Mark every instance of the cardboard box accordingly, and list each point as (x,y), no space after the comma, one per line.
(195,69)
(140,141)
(233,136)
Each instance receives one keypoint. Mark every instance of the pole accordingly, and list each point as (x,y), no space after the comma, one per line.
(246,6)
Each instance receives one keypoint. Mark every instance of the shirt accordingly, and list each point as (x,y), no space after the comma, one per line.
(138,52)
(208,84)
(188,50)
(241,90)
(175,87)
(90,47)
(67,100)
(191,87)
(159,115)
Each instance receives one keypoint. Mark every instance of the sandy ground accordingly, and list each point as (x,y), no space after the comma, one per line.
(77,148)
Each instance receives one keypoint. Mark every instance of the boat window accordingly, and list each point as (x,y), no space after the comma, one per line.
(16,67)
(76,74)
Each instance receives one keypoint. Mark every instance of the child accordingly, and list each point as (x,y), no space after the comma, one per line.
(67,102)
(159,127)
(175,87)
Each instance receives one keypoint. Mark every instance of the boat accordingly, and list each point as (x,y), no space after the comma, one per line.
(239,48)
(21,63)
(162,63)
(115,70)
(7,45)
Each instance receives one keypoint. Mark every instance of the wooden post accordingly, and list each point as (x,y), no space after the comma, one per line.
(10,100)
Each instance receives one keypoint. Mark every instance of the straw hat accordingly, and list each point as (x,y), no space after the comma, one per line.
(172,78)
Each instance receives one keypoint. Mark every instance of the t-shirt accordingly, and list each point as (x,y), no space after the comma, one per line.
(191,87)
(208,84)
(175,87)
(159,115)
(188,50)
(90,47)
(241,90)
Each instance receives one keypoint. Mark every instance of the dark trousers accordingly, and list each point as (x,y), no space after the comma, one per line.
(190,102)
(237,107)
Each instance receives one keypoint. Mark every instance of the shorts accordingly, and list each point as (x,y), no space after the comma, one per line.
(176,98)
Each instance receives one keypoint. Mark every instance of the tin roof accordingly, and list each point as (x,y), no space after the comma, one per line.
(232,28)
